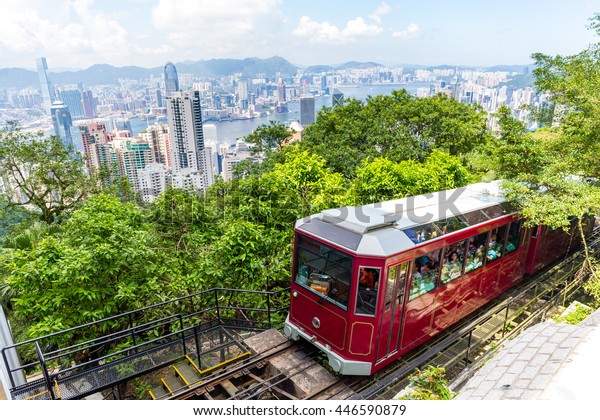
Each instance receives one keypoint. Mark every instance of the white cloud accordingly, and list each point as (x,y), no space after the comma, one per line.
(68,34)
(384,9)
(326,33)
(411,31)
(208,27)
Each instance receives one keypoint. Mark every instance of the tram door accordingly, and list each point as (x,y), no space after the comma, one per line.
(392,310)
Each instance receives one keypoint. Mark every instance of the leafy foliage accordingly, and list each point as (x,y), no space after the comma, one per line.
(48,174)
(103,263)
(428,384)
(382,179)
(266,138)
(398,127)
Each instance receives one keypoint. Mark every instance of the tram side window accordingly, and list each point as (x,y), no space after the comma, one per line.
(496,245)
(514,236)
(425,273)
(396,275)
(476,253)
(323,270)
(368,284)
(454,256)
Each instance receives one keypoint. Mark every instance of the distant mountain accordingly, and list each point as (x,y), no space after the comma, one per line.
(514,68)
(319,69)
(358,65)
(520,81)
(104,74)
(18,78)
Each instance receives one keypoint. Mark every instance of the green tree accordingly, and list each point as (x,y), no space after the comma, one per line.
(573,84)
(514,152)
(47,174)
(266,138)
(381,179)
(562,187)
(397,127)
(103,263)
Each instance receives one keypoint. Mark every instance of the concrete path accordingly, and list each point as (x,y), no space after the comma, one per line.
(549,361)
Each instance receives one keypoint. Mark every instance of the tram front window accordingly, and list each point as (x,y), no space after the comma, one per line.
(323,270)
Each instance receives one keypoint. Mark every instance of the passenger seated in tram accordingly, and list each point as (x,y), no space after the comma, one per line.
(366,278)
(452,268)
(494,249)
(475,260)
(510,247)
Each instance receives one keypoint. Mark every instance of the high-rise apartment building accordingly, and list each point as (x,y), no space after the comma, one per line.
(307,110)
(188,154)
(45,85)
(62,122)
(158,138)
(171,80)
(96,147)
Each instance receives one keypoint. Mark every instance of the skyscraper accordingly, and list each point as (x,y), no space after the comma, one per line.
(188,154)
(61,120)
(337,98)
(281,91)
(89,106)
(72,99)
(171,79)
(307,110)
(45,85)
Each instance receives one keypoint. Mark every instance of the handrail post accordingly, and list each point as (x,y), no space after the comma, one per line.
(44,370)
(505,319)
(216,297)
(269,309)
(468,348)
(182,334)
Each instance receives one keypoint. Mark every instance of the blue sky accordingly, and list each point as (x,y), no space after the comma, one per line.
(79,33)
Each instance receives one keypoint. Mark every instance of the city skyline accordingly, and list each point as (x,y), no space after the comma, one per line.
(149,33)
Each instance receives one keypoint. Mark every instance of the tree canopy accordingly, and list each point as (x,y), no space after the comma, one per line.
(42,173)
(398,127)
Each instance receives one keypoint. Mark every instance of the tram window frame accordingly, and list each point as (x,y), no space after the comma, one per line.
(477,249)
(396,274)
(417,282)
(367,296)
(499,244)
(322,281)
(517,238)
(449,250)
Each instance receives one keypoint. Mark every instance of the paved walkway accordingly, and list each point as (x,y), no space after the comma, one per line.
(549,361)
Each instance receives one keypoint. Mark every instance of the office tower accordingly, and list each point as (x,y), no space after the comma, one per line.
(45,85)
(307,110)
(281,91)
(72,99)
(61,120)
(242,90)
(159,99)
(89,106)
(171,80)
(188,154)
(337,98)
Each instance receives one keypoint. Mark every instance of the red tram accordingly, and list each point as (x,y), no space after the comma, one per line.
(372,282)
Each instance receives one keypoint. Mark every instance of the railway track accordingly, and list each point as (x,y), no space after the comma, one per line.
(458,349)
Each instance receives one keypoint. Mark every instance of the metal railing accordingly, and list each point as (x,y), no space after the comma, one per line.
(123,346)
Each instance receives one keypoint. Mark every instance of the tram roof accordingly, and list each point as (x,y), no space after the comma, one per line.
(386,228)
